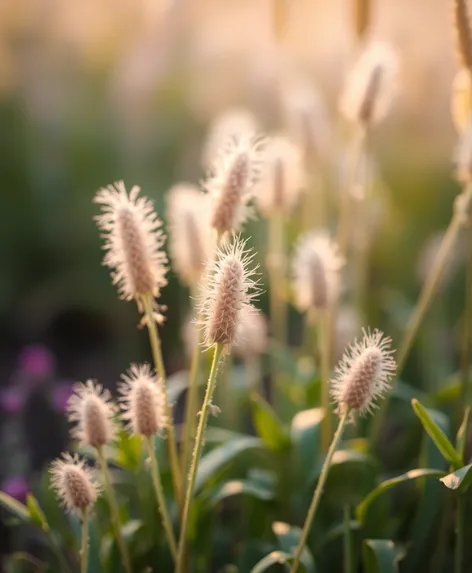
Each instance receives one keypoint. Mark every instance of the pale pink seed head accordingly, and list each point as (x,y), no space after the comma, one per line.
(74,483)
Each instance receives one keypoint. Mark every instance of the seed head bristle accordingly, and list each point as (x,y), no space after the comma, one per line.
(316,271)
(142,401)
(90,407)
(133,239)
(463,33)
(251,334)
(282,178)
(74,483)
(231,184)
(227,294)
(189,231)
(370,86)
(363,374)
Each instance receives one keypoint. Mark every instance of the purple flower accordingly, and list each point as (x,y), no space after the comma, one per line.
(16,486)
(37,362)
(11,400)
(61,394)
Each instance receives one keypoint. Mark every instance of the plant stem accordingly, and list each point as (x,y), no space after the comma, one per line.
(160,370)
(85,542)
(459,551)
(115,517)
(324,348)
(347,540)
(467,325)
(276,270)
(319,491)
(161,500)
(196,457)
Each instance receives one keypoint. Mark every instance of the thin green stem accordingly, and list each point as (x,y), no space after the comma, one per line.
(324,337)
(318,491)
(459,551)
(347,540)
(467,324)
(196,457)
(115,516)
(159,366)
(161,500)
(85,542)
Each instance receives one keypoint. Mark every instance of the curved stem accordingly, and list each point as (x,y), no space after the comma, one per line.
(459,551)
(115,517)
(161,500)
(160,370)
(347,540)
(318,492)
(196,457)
(85,543)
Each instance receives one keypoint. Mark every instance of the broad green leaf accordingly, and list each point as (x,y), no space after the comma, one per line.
(379,556)
(242,487)
(437,435)
(459,480)
(212,462)
(351,476)
(461,437)
(274,558)
(14,506)
(362,508)
(268,426)
(36,513)
(305,436)
(289,537)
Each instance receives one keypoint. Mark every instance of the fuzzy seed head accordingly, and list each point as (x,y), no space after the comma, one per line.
(230,186)
(190,234)
(282,177)
(371,86)
(463,33)
(142,401)
(252,334)
(363,375)
(316,271)
(461,99)
(228,294)
(90,407)
(74,483)
(133,240)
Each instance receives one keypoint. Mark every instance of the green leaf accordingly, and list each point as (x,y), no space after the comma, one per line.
(305,437)
(459,480)
(361,509)
(379,556)
(461,437)
(241,487)
(129,451)
(274,558)
(36,513)
(351,476)
(212,462)
(15,507)
(437,435)
(289,537)
(268,426)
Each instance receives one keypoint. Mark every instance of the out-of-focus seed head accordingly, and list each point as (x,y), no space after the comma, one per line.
(463,33)
(316,268)
(90,407)
(230,186)
(231,125)
(142,401)
(347,326)
(363,375)
(228,294)
(282,177)
(74,483)
(371,86)
(461,99)
(362,17)
(133,240)
(251,334)
(463,156)
(188,215)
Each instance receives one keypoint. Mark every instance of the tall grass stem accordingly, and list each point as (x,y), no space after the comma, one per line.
(467,325)
(85,542)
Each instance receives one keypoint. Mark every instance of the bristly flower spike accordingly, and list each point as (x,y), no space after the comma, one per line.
(143,405)
(228,294)
(74,483)
(91,408)
(133,240)
(363,375)
(371,86)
